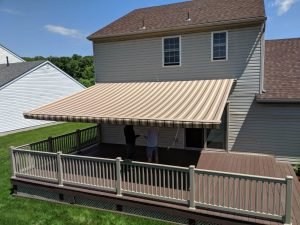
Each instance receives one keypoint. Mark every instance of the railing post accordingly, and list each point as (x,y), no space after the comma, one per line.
(78,141)
(50,144)
(288,200)
(119,178)
(13,163)
(59,169)
(98,133)
(192,187)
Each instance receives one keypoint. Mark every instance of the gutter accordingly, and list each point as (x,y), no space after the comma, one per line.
(281,101)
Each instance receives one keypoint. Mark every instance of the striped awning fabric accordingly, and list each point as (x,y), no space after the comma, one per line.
(193,104)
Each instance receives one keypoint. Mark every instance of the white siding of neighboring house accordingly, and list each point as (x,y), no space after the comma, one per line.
(41,86)
(13,58)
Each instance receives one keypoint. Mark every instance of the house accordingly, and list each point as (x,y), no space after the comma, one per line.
(225,103)
(27,85)
(187,42)
(6,54)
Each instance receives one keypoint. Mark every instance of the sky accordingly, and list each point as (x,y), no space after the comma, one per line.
(60,27)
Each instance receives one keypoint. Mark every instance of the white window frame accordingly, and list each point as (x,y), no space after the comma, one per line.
(212,46)
(163,52)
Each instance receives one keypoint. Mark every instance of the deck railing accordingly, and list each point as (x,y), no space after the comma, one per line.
(245,195)
(67,143)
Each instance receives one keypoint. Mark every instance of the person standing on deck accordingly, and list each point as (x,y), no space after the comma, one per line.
(130,138)
(152,144)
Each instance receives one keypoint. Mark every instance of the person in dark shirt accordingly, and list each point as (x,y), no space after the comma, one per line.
(130,138)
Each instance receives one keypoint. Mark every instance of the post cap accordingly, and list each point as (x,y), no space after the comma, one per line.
(192,166)
(289,177)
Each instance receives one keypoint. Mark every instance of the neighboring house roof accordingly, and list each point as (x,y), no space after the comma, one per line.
(282,71)
(15,70)
(12,57)
(175,16)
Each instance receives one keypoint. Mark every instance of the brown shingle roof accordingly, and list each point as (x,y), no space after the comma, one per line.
(282,71)
(172,16)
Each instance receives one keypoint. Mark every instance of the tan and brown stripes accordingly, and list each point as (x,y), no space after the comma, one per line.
(165,104)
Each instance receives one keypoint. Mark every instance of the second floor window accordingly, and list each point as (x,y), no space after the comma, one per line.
(219,46)
(171,51)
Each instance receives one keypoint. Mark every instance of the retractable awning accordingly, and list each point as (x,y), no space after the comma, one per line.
(192,104)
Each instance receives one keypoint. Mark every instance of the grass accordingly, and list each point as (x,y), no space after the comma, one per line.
(20,211)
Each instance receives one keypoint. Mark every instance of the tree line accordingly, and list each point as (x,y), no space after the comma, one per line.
(79,67)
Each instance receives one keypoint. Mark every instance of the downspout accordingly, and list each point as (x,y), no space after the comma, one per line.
(262,60)
(227,126)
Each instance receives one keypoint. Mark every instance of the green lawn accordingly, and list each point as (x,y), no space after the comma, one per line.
(16,210)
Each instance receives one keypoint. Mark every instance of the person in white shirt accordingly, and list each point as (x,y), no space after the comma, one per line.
(152,143)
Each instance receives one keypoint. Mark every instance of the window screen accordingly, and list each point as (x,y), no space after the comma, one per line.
(219,46)
(172,51)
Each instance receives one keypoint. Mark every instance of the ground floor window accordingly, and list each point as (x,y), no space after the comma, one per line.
(194,138)
(214,138)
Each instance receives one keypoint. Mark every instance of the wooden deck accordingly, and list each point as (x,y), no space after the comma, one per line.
(252,164)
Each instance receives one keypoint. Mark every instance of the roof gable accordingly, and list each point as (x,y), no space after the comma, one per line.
(200,12)
(12,57)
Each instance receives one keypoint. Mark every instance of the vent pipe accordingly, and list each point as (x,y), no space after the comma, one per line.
(143,24)
(188,16)
(7,61)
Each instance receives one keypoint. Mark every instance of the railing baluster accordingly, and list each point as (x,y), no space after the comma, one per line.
(262,196)
(245,193)
(213,189)
(182,176)
(256,195)
(208,189)
(131,178)
(111,174)
(224,190)
(288,200)
(268,196)
(172,181)
(280,193)
(238,205)
(135,180)
(203,188)
(177,187)
(274,199)
(164,182)
(159,181)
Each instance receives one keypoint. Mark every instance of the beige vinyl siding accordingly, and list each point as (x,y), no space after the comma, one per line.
(271,129)
(257,128)
(141,60)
